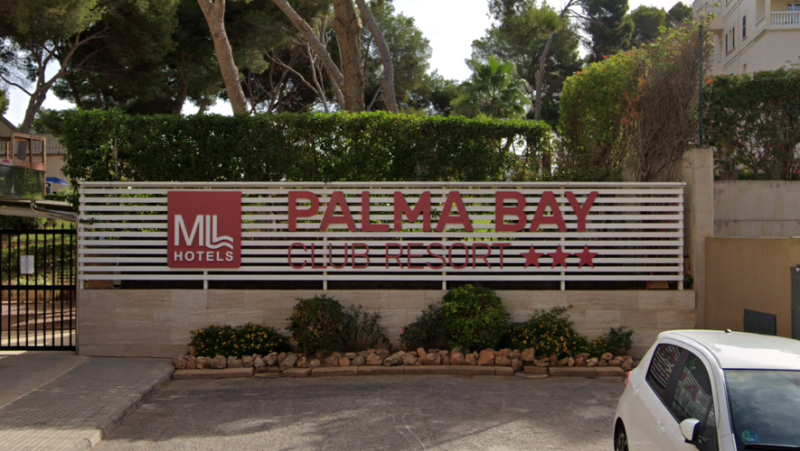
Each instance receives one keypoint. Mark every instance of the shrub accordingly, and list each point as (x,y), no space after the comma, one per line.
(361,330)
(427,331)
(316,323)
(548,332)
(238,341)
(617,341)
(474,317)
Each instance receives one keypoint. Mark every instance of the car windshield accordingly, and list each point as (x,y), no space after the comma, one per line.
(764,407)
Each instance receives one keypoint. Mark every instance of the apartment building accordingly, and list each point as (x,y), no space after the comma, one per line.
(752,35)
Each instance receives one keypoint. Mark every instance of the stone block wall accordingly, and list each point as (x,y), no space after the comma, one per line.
(157,323)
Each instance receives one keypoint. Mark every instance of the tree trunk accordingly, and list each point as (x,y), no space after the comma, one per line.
(34,104)
(337,80)
(389,97)
(214,13)
(547,162)
(183,93)
(348,34)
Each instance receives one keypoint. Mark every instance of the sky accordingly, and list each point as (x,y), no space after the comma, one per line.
(450,25)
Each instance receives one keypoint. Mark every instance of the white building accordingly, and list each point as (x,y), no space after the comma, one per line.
(753,35)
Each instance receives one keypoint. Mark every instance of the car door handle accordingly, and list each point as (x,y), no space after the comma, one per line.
(661,426)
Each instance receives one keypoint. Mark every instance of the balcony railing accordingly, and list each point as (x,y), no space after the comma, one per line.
(716,59)
(786,19)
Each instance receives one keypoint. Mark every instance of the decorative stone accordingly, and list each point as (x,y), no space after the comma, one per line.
(179,362)
(528,355)
(259,365)
(219,362)
(607,356)
(289,362)
(203,363)
(247,361)
(421,352)
(191,363)
(192,351)
(486,357)
(563,362)
(457,358)
(363,354)
(332,361)
(409,360)
(602,363)
(502,360)
(580,361)
(344,361)
(383,353)
(553,359)
(234,362)
(615,362)
(271,359)
(281,357)
(627,365)
(315,363)
(444,353)
(302,362)
(570,362)
(394,359)
(591,363)
(374,360)
(541,363)
(516,364)
(358,361)
(504,352)
(470,359)
(351,355)
(584,355)
(515,353)
(430,359)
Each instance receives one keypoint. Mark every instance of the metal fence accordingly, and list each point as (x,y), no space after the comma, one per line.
(38,270)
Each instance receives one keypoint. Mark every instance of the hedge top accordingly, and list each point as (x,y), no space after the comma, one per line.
(300,147)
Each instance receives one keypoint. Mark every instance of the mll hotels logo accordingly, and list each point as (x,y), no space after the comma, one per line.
(204,230)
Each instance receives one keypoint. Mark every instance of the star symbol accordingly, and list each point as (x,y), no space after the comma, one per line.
(559,257)
(532,257)
(586,257)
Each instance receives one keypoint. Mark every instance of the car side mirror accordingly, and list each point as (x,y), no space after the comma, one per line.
(689,429)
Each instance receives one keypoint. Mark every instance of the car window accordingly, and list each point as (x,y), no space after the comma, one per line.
(662,364)
(693,399)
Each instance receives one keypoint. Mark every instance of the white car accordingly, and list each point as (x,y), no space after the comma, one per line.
(712,390)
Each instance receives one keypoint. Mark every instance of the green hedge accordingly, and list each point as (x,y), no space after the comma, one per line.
(300,147)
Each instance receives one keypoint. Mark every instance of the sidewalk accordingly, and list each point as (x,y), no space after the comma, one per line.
(60,401)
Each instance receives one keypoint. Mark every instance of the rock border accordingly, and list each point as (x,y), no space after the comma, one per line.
(372,362)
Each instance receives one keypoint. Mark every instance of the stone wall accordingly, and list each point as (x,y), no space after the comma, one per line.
(157,323)
(756,209)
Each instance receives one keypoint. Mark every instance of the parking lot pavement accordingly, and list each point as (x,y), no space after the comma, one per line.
(374,413)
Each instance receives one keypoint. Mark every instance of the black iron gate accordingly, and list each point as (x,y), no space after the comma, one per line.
(38,268)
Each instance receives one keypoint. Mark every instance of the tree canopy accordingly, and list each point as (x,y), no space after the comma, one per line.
(493,90)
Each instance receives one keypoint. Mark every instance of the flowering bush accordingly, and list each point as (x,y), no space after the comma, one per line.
(474,317)
(617,341)
(548,332)
(238,341)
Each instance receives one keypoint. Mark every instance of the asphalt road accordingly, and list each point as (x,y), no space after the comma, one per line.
(374,413)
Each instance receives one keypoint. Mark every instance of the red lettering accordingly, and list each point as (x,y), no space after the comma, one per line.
(450,256)
(548,200)
(439,257)
(581,211)
(462,218)
(394,257)
(294,212)
(501,211)
(330,257)
(314,257)
(409,249)
(485,257)
(337,199)
(423,208)
(365,255)
(365,224)
(502,247)
(305,262)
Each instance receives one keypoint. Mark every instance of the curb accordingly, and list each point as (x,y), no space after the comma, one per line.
(111,422)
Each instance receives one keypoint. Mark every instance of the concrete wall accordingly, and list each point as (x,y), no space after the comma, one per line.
(751,274)
(157,323)
(750,209)
(697,171)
